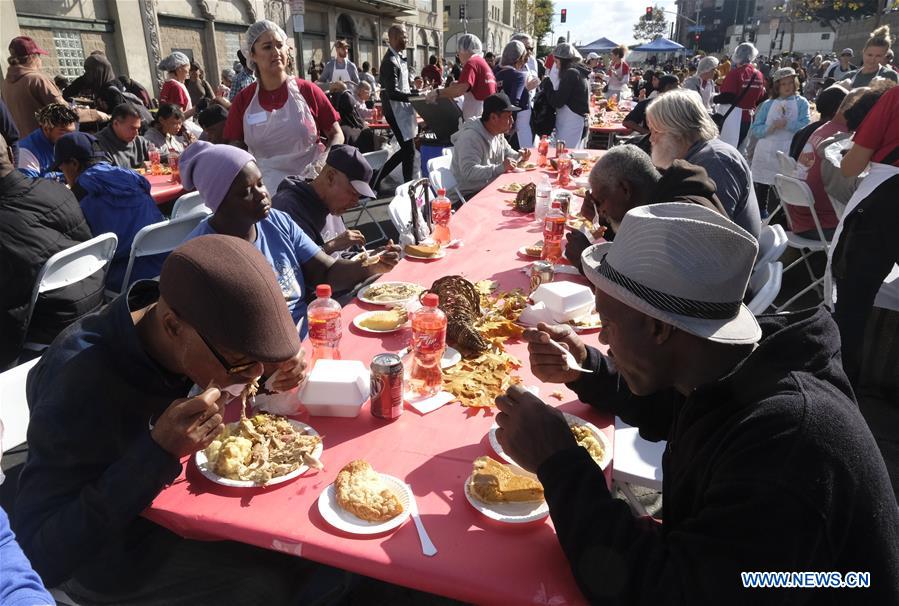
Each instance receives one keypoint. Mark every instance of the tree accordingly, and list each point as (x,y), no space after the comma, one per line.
(651,27)
(828,12)
(535,17)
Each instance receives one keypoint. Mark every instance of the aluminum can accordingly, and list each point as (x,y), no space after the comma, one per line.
(541,272)
(564,199)
(560,148)
(386,386)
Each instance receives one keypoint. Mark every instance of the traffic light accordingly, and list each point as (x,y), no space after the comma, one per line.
(564,15)
(649,12)
(696,37)
(461,11)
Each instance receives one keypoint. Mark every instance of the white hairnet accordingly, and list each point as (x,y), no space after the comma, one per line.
(253,33)
(707,64)
(173,62)
(470,43)
(744,53)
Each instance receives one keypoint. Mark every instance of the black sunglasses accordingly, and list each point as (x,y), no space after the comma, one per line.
(231,369)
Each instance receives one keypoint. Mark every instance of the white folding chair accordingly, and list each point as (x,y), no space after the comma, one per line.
(158,238)
(400,211)
(765,283)
(441,175)
(794,192)
(772,244)
(14,411)
(189,204)
(636,461)
(67,267)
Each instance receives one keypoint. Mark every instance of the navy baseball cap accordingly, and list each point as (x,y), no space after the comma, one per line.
(350,161)
(77,146)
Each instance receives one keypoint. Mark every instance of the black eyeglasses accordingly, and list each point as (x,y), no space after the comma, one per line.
(231,369)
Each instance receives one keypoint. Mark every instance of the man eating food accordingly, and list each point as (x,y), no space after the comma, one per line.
(111,423)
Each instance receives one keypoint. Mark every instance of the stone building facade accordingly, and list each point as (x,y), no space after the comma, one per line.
(493,21)
(136,34)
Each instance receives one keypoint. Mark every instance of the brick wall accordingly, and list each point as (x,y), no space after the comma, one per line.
(182,38)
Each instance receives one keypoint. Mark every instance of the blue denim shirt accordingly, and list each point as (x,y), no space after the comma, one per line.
(92,465)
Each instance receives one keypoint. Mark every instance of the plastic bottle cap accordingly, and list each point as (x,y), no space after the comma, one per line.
(323,291)
(441,192)
(430,300)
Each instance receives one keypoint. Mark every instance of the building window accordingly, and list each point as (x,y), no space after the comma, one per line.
(232,45)
(825,36)
(69,52)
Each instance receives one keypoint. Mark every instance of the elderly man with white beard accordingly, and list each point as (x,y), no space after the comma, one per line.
(682,129)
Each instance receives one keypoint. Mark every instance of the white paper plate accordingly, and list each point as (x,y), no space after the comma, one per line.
(361,295)
(523,251)
(357,322)
(339,518)
(505,188)
(203,463)
(451,357)
(509,513)
(438,255)
(595,324)
(572,420)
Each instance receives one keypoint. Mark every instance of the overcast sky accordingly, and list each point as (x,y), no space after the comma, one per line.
(592,19)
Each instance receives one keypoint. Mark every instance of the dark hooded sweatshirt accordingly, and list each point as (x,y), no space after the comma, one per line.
(769,468)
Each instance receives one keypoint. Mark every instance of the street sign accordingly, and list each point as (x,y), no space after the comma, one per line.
(696,28)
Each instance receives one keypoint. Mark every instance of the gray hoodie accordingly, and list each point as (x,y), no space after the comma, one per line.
(478,156)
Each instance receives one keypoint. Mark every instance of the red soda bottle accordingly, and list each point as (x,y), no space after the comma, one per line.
(428,343)
(553,230)
(542,151)
(325,330)
(440,215)
(564,169)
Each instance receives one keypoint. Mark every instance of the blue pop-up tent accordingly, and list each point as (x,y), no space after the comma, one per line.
(603,45)
(659,45)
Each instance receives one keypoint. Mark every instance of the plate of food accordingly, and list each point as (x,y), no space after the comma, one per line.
(381,322)
(586,323)
(527,166)
(505,493)
(430,250)
(586,434)
(534,251)
(261,450)
(450,357)
(389,293)
(580,192)
(512,188)
(578,222)
(363,501)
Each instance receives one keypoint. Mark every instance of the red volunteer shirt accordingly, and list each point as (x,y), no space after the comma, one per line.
(880,128)
(479,77)
(174,94)
(737,79)
(322,111)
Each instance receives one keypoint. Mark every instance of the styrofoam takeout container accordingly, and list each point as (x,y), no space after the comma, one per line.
(564,300)
(336,388)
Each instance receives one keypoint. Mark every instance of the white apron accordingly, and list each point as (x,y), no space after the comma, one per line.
(730,132)
(403,112)
(471,107)
(340,74)
(570,127)
(888,296)
(284,141)
(765,164)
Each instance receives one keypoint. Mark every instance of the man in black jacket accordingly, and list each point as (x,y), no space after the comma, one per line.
(769,466)
(398,111)
(38,218)
(625,178)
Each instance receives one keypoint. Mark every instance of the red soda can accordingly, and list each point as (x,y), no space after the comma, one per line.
(386,386)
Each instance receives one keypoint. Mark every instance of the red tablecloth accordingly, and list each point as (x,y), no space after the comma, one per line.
(478,560)
(163,190)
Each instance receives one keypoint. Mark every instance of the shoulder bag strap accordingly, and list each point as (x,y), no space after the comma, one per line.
(740,98)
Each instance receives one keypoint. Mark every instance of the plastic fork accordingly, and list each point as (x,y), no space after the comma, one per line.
(427,547)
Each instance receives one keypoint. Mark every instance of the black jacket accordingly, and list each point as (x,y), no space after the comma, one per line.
(298,199)
(39,218)
(770,468)
(390,76)
(573,91)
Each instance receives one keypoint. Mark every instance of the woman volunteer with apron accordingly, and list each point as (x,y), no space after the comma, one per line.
(775,123)
(283,138)
(742,89)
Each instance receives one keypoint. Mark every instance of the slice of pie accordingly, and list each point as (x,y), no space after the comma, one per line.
(423,250)
(362,492)
(385,320)
(493,482)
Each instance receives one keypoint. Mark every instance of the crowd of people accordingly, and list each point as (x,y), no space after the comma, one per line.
(770,463)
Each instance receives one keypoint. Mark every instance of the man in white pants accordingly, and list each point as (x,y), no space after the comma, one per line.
(532,81)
